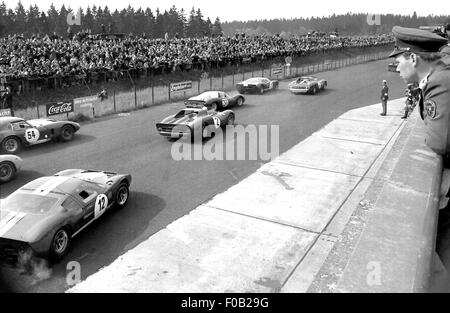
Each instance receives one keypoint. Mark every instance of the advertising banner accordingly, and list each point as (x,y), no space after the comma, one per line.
(56,108)
(181,86)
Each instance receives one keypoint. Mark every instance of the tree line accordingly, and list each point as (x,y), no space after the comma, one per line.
(344,24)
(139,22)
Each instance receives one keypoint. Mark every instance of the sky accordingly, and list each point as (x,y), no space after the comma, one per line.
(242,10)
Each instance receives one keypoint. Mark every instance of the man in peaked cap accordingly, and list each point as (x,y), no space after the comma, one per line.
(417,52)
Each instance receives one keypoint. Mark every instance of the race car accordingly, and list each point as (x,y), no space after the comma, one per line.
(16,133)
(9,165)
(194,121)
(392,67)
(216,100)
(307,84)
(42,217)
(257,85)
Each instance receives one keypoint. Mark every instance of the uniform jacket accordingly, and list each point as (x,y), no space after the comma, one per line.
(435,108)
(384,93)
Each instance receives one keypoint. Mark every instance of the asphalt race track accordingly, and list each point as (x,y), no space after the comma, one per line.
(163,190)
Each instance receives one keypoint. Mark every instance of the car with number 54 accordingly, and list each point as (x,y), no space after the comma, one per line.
(216,100)
(42,217)
(15,132)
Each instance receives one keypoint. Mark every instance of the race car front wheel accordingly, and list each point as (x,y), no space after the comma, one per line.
(7,172)
(122,195)
(60,245)
(240,102)
(11,145)
(67,133)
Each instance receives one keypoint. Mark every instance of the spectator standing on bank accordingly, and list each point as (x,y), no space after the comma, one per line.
(420,61)
(384,97)
(7,100)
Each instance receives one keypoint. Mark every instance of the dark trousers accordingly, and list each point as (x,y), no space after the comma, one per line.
(384,106)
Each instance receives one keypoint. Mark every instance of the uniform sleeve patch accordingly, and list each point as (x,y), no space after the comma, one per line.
(430,108)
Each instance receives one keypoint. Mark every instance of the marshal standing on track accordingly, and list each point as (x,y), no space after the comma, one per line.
(384,97)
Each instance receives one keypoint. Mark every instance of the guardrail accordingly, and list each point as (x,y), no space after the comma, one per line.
(95,106)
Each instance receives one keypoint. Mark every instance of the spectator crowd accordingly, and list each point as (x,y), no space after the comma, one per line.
(84,54)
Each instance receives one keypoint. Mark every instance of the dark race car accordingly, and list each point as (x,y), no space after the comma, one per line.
(194,122)
(216,100)
(16,133)
(257,85)
(307,84)
(42,217)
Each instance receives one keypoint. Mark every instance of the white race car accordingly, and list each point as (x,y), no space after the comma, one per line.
(307,84)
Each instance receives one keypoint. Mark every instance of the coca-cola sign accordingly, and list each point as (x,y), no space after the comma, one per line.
(59,107)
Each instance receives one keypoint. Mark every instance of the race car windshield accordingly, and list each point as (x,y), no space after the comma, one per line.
(254,80)
(304,80)
(185,113)
(28,203)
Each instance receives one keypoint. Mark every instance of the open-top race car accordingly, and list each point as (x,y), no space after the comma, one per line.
(195,121)
(9,165)
(307,84)
(41,218)
(15,132)
(257,85)
(216,100)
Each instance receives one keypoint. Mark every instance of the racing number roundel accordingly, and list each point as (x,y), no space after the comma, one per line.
(216,121)
(101,203)
(225,102)
(32,135)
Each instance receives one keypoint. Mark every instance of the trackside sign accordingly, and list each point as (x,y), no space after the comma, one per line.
(277,70)
(5,112)
(181,86)
(55,108)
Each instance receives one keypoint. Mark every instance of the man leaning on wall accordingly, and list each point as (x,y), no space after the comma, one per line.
(420,56)
(419,60)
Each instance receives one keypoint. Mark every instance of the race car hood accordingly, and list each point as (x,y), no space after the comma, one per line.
(97,177)
(201,97)
(24,227)
(182,120)
(40,122)
(50,122)
(302,83)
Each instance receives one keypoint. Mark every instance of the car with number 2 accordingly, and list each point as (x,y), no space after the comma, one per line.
(194,121)
(307,84)
(42,217)
(257,85)
(15,132)
(216,100)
